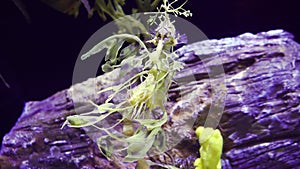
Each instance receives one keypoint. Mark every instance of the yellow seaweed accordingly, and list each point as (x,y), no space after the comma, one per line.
(211,143)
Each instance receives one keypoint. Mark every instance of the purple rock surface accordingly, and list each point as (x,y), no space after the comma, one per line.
(260,123)
(261,120)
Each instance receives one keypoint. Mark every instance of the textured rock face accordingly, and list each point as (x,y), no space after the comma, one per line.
(260,123)
(261,120)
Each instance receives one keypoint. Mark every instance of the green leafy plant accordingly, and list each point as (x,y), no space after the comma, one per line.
(111,8)
(142,109)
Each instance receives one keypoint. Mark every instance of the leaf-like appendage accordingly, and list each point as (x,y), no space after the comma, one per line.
(103,142)
(151,124)
(140,144)
(112,8)
(113,45)
(78,121)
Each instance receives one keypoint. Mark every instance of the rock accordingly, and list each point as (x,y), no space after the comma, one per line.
(260,123)
(261,119)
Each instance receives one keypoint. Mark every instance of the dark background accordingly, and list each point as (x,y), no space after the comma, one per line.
(37,58)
